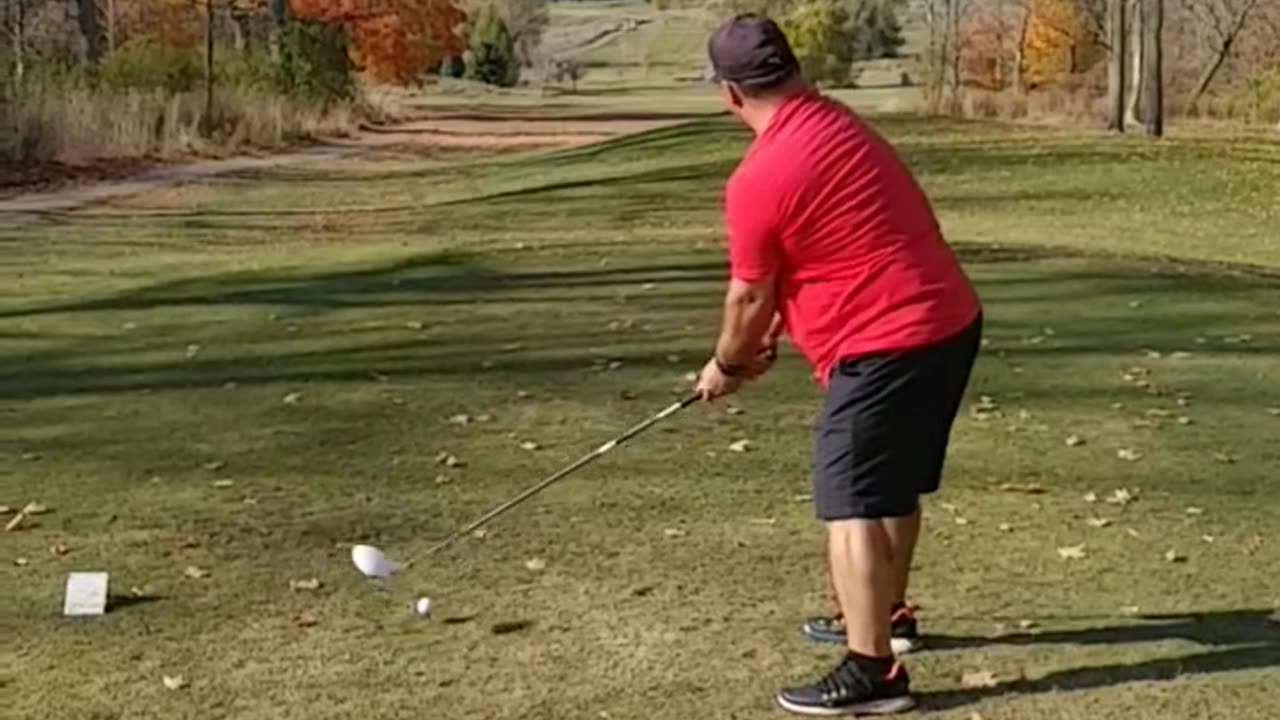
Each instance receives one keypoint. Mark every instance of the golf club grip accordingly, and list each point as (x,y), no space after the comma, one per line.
(580,462)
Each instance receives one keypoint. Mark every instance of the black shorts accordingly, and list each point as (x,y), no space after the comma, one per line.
(882,437)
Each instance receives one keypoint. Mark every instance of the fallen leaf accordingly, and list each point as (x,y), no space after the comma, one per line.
(1153,354)
(535,564)
(215,465)
(31,456)
(460,419)
(223,483)
(309,584)
(949,507)
(1074,441)
(1026,624)
(530,445)
(1224,458)
(674,533)
(733,410)
(21,562)
(649,286)
(1174,556)
(193,350)
(1179,355)
(512,347)
(523,394)
(1098,522)
(1091,497)
(1184,420)
(174,682)
(59,549)
(137,592)
(1274,411)
(1073,552)
(1135,304)
(691,377)
(1132,532)
(305,620)
(802,497)
(613,365)
(414,325)
(1117,406)
(627,395)
(292,398)
(1130,610)
(448,460)
(1120,497)
(1159,413)
(962,520)
(230,385)
(1028,488)
(488,364)
(1024,415)
(763,521)
(1128,454)
(443,479)
(1207,538)
(1195,511)
(483,418)
(740,446)
(982,679)
(1005,527)
(480,534)
(196,573)
(187,543)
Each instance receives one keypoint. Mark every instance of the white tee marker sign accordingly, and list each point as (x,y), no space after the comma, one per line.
(86,594)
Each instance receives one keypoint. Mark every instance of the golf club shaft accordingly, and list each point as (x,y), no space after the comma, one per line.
(603,449)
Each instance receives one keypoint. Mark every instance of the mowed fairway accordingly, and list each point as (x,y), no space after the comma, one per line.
(247,376)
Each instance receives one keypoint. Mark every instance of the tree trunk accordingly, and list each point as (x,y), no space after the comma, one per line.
(1152,68)
(1138,9)
(20,47)
(208,67)
(279,17)
(87,16)
(1226,41)
(953,58)
(1020,53)
(111,26)
(1115,65)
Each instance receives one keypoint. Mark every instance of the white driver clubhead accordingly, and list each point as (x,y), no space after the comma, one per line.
(370,561)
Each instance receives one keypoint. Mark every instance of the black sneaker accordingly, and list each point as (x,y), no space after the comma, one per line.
(905,635)
(854,687)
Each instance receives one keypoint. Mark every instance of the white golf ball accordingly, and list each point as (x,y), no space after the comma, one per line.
(423,606)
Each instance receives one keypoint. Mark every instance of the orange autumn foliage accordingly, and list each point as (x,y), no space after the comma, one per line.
(392,41)
(1060,42)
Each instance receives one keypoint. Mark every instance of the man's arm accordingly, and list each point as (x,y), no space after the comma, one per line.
(749,321)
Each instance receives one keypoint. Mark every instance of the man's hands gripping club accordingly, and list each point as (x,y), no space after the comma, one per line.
(748,343)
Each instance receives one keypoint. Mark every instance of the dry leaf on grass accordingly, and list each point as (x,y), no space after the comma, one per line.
(962,520)
(223,483)
(674,533)
(1184,420)
(1275,411)
(1174,556)
(292,398)
(448,460)
(523,394)
(1026,624)
(1091,497)
(740,446)
(59,550)
(1132,532)
(673,358)
(1005,527)
(1028,488)
(31,456)
(309,584)
(187,543)
(443,480)
(1224,458)
(1074,441)
(414,325)
(195,573)
(1121,497)
(193,350)
(1207,538)
(733,410)
(530,446)
(512,347)
(305,620)
(1072,552)
(174,682)
(1195,510)
(480,534)
(691,377)
(1128,454)
(764,521)
(1098,522)
(980,679)
(483,418)
(460,419)
(215,465)
(802,497)
(21,562)
(535,564)
(1130,610)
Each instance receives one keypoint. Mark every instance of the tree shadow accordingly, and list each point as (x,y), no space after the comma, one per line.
(1242,640)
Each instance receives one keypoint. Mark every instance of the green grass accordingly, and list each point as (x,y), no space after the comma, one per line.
(146,343)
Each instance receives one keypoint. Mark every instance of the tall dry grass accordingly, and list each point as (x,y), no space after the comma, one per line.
(77,125)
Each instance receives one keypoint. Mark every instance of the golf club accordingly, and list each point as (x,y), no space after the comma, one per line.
(552,479)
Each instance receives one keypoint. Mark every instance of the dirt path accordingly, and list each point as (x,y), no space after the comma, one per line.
(497,131)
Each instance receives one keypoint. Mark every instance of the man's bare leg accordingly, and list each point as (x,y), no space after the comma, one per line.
(903,532)
(862,570)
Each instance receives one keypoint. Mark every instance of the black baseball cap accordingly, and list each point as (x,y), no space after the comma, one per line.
(751,51)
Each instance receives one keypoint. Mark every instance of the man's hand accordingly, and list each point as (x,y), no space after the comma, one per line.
(763,361)
(713,383)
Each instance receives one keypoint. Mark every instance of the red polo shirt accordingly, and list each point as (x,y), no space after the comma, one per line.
(825,204)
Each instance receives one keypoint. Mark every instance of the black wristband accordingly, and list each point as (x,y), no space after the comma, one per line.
(729,370)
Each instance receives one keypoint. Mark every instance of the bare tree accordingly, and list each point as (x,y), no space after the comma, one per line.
(1137,13)
(1115,64)
(1224,20)
(90,39)
(1152,67)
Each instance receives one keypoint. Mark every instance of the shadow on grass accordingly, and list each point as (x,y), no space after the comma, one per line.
(1244,640)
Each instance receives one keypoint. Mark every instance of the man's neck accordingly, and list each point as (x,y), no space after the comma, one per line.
(761,111)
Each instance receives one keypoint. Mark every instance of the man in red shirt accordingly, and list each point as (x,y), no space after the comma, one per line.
(832,242)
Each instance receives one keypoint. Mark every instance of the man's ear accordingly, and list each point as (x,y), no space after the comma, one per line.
(735,94)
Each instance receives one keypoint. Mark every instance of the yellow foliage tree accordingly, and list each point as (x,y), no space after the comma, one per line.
(1060,42)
